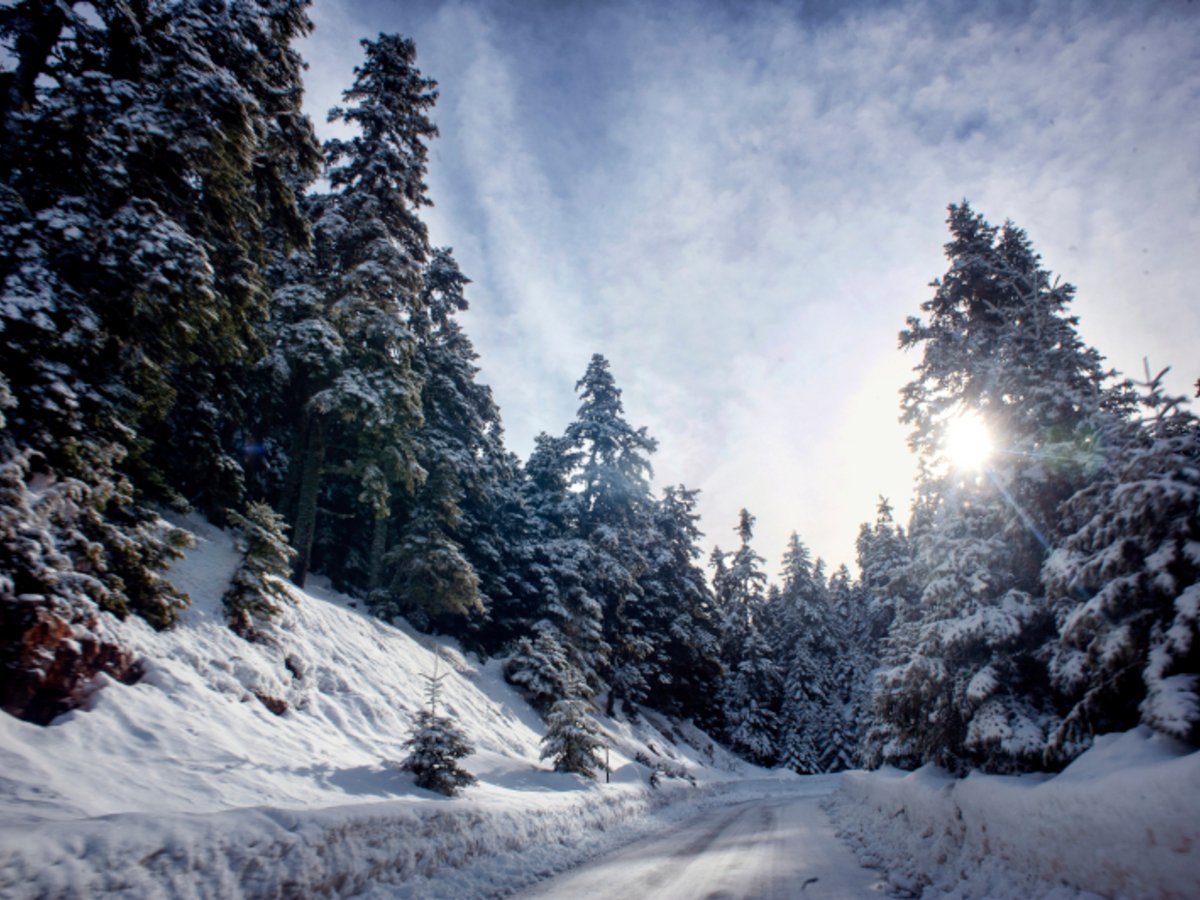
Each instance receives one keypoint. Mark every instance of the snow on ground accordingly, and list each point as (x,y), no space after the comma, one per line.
(1121,821)
(187,784)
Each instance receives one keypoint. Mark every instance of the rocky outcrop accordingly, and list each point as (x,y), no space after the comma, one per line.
(51,663)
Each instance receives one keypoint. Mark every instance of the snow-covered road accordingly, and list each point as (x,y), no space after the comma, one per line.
(782,847)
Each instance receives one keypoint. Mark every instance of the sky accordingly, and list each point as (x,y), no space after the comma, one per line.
(739,204)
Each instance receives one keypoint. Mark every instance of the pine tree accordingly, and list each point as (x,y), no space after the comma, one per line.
(550,563)
(806,646)
(351,303)
(1125,586)
(749,692)
(572,738)
(460,445)
(998,344)
(614,507)
(257,592)
(885,559)
(683,668)
(853,668)
(435,747)
(540,667)
(431,574)
(65,565)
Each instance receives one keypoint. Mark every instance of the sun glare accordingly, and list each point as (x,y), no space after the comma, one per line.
(968,444)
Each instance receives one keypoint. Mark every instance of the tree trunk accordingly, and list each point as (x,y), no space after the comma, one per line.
(305,525)
(378,549)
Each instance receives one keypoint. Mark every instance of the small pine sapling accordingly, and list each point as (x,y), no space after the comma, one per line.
(572,738)
(436,746)
(258,590)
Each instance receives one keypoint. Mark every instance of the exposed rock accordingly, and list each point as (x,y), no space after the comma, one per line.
(274,704)
(51,663)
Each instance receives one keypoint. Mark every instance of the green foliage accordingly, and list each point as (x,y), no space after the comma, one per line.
(436,746)
(540,667)
(1125,588)
(257,591)
(572,739)
(434,749)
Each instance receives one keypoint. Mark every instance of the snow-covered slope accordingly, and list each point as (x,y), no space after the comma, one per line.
(1121,821)
(262,769)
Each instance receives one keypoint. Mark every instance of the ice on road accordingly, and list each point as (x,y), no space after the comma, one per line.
(782,847)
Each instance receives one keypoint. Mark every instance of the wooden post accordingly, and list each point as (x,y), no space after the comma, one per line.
(607,770)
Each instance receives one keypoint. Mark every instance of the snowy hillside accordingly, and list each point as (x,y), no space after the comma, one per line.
(262,768)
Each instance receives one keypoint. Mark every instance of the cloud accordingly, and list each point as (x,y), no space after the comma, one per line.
(739,205)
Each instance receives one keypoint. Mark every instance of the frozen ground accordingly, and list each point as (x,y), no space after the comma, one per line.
(187,784)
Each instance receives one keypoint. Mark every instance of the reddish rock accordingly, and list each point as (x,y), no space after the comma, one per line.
(274,704)
(50,663)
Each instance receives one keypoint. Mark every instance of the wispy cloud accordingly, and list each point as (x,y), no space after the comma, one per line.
(739,204)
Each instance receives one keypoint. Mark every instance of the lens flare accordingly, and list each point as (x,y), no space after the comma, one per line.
(968,443)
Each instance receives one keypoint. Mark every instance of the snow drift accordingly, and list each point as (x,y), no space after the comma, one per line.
(1120,821)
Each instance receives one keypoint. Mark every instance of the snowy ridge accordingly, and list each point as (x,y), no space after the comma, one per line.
(1120,822)
(187,784)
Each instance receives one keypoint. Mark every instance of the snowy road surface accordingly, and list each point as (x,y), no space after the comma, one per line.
(782,847)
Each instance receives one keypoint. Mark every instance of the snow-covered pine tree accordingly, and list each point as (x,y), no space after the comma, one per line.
(350,304)
(614,509)
(807,649)
(1126,587)
(540,668)
(430,574)
(555,560)
(242,151)
(142,145)
(887,567)
(679,615)
(58,580)
(572,739)
(891,584)
(134,208)
(460,442)
(257,593)
(998,344)
(750,689)
(852,670)
(436,746)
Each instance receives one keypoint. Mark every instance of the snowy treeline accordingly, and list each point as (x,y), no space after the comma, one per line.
(191,319)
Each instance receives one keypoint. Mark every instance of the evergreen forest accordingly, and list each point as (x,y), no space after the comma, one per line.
(204,309)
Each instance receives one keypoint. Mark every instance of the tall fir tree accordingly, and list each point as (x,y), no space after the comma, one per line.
(806,646)
(683,669)
(350,306)
(997,344)
(614,509)
(553,566)
(750,689)
(460,443)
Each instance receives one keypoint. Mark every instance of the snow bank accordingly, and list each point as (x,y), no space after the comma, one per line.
(332,851)
(1121,822)
(237,769)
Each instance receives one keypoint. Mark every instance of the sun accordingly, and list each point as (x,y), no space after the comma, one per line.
(968,443)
